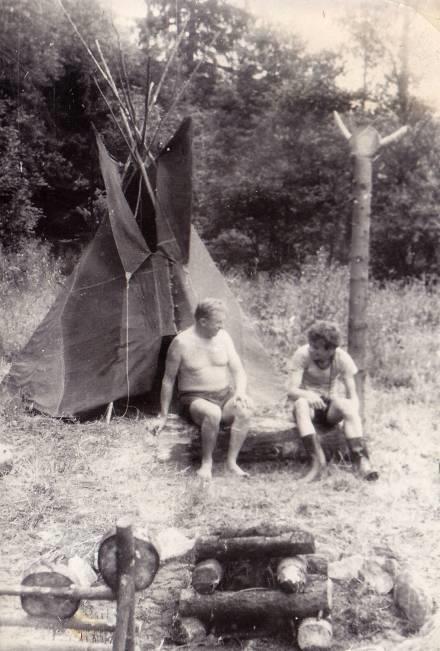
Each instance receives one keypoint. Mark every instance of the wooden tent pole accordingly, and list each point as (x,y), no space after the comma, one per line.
(109,412)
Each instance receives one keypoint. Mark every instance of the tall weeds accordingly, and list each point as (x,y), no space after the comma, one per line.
(403,320)
(29,281)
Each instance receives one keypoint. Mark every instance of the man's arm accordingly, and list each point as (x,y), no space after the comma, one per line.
(350,389)
(236,368)
(294,390)
(173,361)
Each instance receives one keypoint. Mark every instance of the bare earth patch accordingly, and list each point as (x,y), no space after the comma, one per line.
(72,481)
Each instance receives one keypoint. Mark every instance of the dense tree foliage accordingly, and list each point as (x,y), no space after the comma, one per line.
(272,178)
(48,100)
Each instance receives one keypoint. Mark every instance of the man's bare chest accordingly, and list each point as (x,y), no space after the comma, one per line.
(200,356)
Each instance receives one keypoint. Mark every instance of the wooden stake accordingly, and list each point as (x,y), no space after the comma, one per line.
(24,645)
(92,594)
(123,639)
(109,412)
(74,623)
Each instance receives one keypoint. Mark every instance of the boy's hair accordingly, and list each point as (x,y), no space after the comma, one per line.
(206,308)
(326,331)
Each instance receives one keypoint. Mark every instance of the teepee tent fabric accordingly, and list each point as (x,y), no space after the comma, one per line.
(102,338)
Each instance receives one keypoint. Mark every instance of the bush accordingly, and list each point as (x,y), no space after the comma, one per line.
(284,308)
(30,278)
(403,321)
(403,347)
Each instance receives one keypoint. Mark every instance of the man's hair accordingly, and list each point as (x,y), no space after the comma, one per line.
(326,331)
(206,308)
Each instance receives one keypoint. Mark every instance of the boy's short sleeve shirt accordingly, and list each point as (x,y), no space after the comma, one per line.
(323,381)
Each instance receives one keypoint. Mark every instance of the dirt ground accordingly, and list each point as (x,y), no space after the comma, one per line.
(71,482)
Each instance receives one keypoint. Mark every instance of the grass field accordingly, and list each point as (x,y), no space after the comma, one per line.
(71,481)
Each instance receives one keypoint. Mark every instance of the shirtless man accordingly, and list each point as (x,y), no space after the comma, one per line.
(211,384)
(315,370)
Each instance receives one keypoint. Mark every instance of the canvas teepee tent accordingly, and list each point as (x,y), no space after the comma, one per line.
(134,287)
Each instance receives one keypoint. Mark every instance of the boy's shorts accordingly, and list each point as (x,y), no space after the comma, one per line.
(320,415)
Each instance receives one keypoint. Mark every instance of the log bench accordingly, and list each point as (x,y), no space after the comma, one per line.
(269,439)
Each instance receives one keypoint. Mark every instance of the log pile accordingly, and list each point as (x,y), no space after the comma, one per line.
(288,589)
(51,597)
(269,439)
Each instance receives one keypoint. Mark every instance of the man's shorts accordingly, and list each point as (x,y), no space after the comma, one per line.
(186,398)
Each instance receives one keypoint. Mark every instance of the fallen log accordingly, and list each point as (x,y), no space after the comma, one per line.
(314,634)
(292,574)
(206,576)
(146,560)
(294,542)
(269,439)
(257,604)
(258,528)
(49,604)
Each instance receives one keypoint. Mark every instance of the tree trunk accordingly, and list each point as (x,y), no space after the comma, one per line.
(256,604)
(359,256)
(258,547)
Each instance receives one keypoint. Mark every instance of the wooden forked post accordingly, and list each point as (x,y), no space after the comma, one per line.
(123,639)
(364,142)
(126,550)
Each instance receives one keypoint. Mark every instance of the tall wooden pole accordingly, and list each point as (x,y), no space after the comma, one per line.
(123,639)
(364,144)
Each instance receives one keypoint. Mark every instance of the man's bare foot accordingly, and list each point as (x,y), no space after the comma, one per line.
(232,466)
(205,471)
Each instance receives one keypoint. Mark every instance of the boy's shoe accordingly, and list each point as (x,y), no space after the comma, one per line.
(366,471)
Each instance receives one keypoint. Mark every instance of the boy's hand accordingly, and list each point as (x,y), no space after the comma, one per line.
(315,400)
